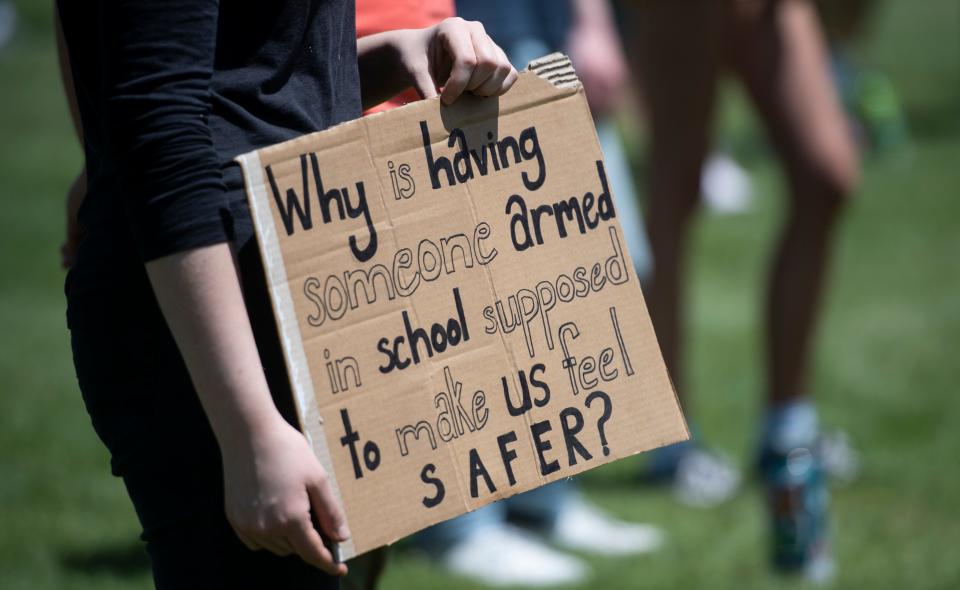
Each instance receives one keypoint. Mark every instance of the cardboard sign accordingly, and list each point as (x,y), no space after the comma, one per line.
(460,316)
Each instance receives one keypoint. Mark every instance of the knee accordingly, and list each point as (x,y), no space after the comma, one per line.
(675,164)
(830,179)
(841,174)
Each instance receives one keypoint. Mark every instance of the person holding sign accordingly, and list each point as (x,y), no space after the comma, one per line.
(176,361)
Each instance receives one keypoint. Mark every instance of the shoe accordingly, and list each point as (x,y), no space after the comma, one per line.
(661,463)
(726,186)
(837,455)
(797,499)
(583,527)
(504,555)
(704,478)
(841,461)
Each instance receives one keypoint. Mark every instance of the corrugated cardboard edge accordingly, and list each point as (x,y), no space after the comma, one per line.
(288,330)
(555,68)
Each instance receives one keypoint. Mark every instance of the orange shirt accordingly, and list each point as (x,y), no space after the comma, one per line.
(377,16)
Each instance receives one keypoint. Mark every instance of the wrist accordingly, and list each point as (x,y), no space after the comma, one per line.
(241,431)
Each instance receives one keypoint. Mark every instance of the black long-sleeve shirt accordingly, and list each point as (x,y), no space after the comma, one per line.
(169,91)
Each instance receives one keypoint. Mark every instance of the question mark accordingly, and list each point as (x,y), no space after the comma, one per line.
(607,409)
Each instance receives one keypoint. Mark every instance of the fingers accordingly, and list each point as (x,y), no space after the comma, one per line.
(294,536)
(327,508)
(248,541)
(478,64)
(502,78)
(459,47)
(423,82)
(271,508)
(262,537)
(487,54)
(308,544)
(276,545)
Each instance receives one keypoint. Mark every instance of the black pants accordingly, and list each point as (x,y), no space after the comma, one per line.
(143,406)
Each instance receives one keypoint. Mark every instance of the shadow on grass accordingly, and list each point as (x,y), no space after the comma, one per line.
(120,560)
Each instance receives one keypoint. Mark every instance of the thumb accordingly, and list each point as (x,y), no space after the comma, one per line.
(423,82)
(333,522)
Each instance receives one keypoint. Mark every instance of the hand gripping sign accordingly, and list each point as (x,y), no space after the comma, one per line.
(459,316)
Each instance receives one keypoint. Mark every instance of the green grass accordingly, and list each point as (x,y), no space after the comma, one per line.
(886,367)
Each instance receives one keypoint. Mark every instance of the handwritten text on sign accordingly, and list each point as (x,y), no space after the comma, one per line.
(459,314)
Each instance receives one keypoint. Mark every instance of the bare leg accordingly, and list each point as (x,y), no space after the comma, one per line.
(674,49)
(779,52)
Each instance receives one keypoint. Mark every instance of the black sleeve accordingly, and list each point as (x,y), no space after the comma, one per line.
(157,59)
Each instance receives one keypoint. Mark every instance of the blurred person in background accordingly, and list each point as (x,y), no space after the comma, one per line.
(494,544)
(879,124)
(775,47)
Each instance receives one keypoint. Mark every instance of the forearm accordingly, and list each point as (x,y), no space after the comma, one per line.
(199,293)
(378,61)
(272,481)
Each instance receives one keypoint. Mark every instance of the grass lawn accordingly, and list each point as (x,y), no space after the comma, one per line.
(886,367)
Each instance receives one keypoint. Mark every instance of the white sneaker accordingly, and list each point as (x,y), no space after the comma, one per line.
(726,186)
(503,555)
(582,527)
(705,479)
